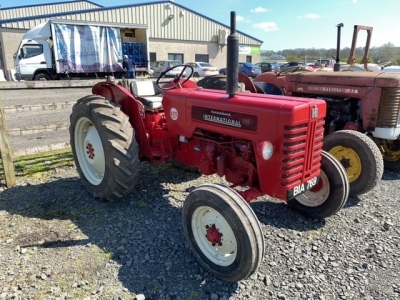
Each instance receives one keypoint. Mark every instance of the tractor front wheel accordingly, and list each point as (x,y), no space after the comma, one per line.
(328,196)
(104,148)
(360,157)
(391,154)
(223,232)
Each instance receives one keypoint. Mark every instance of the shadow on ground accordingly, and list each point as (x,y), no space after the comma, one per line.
(143,233)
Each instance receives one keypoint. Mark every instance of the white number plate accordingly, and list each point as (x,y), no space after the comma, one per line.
(302,188)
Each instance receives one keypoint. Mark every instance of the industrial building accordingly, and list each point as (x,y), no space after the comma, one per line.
(174,31)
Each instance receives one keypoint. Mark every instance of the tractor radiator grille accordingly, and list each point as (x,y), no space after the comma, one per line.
(301,152)
(389,108)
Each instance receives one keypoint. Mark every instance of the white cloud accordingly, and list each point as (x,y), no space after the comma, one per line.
(266,26)
(259,10)
(310,16)
(242,19)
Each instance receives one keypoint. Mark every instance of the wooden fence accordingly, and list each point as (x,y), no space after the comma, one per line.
(21,161)
(5,152)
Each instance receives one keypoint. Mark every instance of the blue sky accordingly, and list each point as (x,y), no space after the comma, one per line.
(287,24)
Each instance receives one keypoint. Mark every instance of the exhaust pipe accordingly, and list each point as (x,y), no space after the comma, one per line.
(232,64)
(336,67)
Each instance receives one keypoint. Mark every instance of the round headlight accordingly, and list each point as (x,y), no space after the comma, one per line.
(266,149)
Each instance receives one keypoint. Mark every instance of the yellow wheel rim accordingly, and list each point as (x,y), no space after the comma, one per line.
(391,150)
(349,160)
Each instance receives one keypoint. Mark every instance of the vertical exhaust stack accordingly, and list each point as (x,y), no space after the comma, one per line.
(336,67)
(232,63)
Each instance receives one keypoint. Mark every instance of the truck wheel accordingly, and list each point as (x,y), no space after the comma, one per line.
(223,232)
(42,76)
(104,148)
(391,154)
(360,157)
(330,193)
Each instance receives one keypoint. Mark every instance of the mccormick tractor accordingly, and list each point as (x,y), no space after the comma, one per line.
(262,145)
(362,116)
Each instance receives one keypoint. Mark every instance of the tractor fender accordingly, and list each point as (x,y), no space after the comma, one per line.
(131,107)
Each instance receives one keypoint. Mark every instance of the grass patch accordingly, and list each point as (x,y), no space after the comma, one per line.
(41,162)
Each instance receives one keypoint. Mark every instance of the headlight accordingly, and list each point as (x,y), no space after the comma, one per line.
(17,69)
(265,150)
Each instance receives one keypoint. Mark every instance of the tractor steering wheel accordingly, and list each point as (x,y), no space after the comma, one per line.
(176,79)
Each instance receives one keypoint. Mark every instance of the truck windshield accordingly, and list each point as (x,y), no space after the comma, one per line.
(28,51)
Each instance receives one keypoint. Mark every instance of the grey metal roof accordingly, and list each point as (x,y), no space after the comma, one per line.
(193,27)
(51,8)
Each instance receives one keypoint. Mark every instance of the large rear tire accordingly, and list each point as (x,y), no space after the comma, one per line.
(360,157)
(223,232)
(330,193)
(104,148)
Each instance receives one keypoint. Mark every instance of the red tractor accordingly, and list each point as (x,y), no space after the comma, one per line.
(363,114)
(362,117)
(261,144)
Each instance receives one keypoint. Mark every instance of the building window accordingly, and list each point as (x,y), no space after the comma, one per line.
(153,56)
(176,56)
(201,58)
(248,58)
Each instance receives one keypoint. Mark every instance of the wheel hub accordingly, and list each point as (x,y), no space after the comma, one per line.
(349,160)
(89,151)
(213,235)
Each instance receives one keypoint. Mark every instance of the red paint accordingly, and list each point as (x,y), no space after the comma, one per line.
(219,135)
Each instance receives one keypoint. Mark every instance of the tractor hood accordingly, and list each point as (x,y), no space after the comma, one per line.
(360,79)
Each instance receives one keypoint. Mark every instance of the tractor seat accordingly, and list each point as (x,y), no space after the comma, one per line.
(148,93)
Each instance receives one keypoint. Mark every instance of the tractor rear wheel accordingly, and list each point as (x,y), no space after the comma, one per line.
(328,196)
(391,154)
(360,157)
(223,232)
(104,148)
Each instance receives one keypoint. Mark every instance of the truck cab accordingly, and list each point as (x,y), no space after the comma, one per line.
(32,60)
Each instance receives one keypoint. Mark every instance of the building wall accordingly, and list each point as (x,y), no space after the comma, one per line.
(217,53)
(10,40)
(172,29)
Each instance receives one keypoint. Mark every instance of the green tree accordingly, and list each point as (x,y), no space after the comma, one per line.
(388,53)
(291,58)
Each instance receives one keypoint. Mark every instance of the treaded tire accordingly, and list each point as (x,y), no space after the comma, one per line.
(330,194)
(369,163)
(242,245)
(115,151)
(42,76)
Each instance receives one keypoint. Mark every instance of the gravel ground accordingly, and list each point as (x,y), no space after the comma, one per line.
(58,242)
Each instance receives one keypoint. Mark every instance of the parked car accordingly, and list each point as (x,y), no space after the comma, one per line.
(391,69)
(164,65)
(246,68)
(266,67)
(290,65)
(201,69)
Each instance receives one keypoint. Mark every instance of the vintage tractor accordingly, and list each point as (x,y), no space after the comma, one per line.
(362,117)
(261,144)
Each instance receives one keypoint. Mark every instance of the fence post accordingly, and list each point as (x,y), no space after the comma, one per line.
(5,151)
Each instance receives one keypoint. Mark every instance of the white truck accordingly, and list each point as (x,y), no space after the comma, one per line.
(62,49)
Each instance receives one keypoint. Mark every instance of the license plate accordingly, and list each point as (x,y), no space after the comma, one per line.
(302,188)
